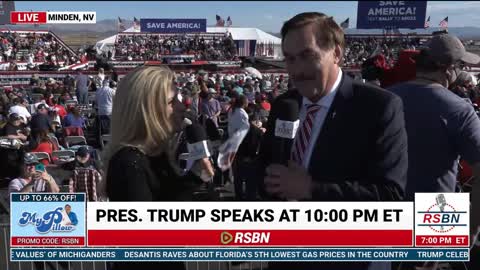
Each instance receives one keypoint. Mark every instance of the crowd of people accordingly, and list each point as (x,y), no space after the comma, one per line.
(359,49)
(153,47)
(34,47)
(208,97)
(53,127)
(44,113)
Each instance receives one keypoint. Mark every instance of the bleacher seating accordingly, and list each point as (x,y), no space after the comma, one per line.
(75,140)
(35,46)
(42,156)
(152,46)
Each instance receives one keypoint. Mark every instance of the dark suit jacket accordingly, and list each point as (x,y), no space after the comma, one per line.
(360,153)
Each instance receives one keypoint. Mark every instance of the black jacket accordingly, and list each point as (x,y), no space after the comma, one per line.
(361,151)
(359,155)
(133,176)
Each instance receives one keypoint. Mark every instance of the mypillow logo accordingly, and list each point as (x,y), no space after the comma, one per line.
(58,220)
(442,216)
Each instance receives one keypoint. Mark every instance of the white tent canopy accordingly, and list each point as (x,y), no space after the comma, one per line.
(102,45)
(238,33)
(242,33)
(108,43)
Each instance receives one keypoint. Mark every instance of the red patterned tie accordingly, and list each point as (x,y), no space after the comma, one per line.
(302,139)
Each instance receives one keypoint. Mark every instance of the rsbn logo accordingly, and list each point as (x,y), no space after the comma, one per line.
(441,217)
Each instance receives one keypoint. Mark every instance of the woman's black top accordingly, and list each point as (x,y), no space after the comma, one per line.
(134,176)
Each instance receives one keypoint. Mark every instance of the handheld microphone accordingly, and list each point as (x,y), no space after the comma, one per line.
(187,122)
(286,126)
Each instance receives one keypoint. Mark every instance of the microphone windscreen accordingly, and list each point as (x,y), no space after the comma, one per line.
(187,122)
(288,110)
(195,133)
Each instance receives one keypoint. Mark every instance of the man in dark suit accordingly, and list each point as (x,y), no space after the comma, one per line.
(351,144)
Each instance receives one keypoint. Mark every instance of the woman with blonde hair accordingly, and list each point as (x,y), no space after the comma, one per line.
(146,115)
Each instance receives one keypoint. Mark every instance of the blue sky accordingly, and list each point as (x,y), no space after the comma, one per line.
(267,16)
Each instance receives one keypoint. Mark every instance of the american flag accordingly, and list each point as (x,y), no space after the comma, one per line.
(243,48)
(121,25)
(345,23)
(136,23)
(444,23)
(427,23)
(220,21)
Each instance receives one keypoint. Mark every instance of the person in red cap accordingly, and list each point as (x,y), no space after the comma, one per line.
(403,70)
(264,103)
(187,102)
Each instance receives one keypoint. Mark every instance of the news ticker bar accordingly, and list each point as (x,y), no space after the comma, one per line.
(53,17)
(240,254)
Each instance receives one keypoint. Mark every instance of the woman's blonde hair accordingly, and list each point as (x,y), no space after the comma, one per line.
(139,114)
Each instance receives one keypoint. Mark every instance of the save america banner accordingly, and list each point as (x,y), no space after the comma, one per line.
(172,26)
(391,14)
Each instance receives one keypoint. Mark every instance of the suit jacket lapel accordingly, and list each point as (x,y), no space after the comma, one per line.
(344,92)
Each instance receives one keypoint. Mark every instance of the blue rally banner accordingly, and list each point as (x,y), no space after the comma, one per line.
(172,26)
(239,254)
(391,14)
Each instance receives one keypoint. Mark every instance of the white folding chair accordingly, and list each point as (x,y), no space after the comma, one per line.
(42,155)
(74,140)
(62,156)
(105,139)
